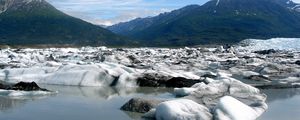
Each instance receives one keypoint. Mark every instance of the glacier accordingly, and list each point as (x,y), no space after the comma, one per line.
(238,67)
(288,44)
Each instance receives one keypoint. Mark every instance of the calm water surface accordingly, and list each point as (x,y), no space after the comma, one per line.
(77,103)
(284,104)
(94,103)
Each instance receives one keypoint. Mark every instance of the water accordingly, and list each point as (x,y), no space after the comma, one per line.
(284,104)
(94,103)
(78,103)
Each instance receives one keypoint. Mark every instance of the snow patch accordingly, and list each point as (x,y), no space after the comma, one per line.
(218,1)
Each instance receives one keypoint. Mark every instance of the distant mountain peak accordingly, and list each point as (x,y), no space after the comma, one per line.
(32,22)
(217,21)
(19,4)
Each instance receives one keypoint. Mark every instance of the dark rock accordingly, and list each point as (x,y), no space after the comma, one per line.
(26,86)
(152,80)
(264,52)
(155,80)
(246,57)
(209,76)
(229,64)
(180,82)
(258,78)
(133,59)
(2,86)
(145,82)
(120,49)
(115,81)
(297,62)
(140,105)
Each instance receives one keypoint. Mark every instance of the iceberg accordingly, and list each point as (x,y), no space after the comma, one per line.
(180,109)
(24,94)
(75,75)
(230,108)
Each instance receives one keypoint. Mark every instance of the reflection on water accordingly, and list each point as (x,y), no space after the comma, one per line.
(284,104)
(7,104)
(77,103)
(96,103)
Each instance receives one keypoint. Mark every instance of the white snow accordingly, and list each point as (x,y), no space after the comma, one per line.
(182,109)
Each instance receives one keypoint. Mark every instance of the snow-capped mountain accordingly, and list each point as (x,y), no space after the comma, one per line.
(217,21)
(20,4)
(290,4)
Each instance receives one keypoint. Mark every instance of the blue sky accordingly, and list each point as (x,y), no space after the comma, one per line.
(108,12)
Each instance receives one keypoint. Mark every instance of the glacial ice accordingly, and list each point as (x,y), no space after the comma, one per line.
(290,44)
(229,108)
(220,68)
(77,75)
(23,94)
(182,109)
(224,99)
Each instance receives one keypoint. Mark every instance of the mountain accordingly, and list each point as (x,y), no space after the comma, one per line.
(27,22)
(216,22)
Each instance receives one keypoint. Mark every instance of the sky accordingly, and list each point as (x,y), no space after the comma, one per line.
(109,12)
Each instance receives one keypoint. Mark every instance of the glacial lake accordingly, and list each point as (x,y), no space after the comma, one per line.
(103,103)
(78,103)
(284,104)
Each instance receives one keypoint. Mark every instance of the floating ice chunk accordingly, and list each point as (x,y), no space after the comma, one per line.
(182,109)
(230,108)
(16,93)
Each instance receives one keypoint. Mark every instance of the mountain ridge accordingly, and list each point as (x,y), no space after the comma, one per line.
(26,22)
(217,21)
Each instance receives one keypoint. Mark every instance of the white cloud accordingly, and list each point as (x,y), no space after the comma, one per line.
(108,12)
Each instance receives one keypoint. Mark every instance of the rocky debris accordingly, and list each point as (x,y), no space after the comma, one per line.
(140,105)
(152,80)
(209,76)
(134,59)
(163,81)
(23,86)
(180,82)
(264,52)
